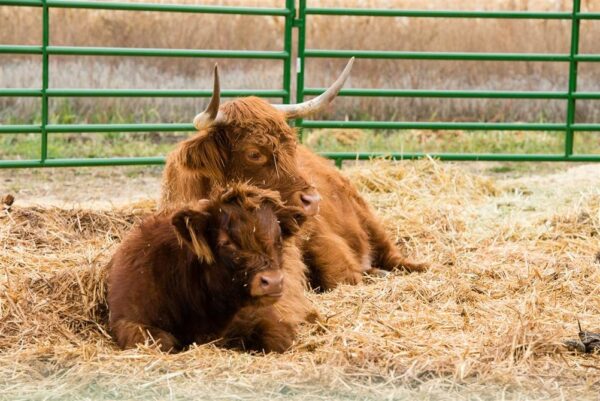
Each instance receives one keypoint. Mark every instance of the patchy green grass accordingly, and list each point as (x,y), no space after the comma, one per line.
(75,145)
(436,141)
(27,146)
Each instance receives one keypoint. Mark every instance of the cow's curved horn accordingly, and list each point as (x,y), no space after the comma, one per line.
(304,109)
(211,115)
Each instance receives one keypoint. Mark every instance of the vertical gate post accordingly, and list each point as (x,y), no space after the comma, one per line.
(45,79)
(301,25)
(571,103)
(287,47)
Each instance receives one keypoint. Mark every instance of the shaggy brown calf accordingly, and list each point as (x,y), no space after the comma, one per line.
(249,139)
(181,278)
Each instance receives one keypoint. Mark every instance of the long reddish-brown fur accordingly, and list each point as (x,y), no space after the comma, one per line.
(345,240)
(340,244)
(181,277)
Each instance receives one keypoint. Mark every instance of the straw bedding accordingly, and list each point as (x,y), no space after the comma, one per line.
(513,268)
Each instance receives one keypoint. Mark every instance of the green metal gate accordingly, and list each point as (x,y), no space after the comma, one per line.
(300,21)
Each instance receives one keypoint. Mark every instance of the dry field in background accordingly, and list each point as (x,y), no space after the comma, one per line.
(176,30)
(514,264)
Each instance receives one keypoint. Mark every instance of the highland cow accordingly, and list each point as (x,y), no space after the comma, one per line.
(249,139)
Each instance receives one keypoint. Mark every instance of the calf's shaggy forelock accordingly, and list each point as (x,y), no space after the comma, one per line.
(181,277)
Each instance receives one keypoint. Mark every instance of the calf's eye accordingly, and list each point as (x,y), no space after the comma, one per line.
(255,156)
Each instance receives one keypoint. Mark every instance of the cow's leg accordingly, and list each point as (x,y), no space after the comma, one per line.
(385,254)
(261,329)
(275,335)
(333,261)
(128,334)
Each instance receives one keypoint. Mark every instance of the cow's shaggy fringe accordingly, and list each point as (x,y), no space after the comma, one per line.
(507,286)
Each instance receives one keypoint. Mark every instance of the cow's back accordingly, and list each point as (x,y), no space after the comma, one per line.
(141,270)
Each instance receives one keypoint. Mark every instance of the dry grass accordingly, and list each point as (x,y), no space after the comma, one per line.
(176,30)
(513,269)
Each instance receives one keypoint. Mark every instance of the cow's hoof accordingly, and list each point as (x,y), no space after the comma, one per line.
(412,267)
(374,272)
(354,279)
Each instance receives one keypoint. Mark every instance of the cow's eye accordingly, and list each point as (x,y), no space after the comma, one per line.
(255,156)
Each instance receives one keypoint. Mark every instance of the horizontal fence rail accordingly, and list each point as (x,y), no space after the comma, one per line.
(274,93)
(300,21)
(137,52)
(186,8)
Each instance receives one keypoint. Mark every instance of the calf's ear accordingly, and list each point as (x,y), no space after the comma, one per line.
(191,227)
(204,153)
(290,220)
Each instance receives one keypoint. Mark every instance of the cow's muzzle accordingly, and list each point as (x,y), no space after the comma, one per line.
(309,200)
(268,283)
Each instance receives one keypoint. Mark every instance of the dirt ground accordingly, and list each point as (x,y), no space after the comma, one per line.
(558,184)
(515,263)
(84,187)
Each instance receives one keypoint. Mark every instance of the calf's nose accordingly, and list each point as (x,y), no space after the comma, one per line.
(271,283)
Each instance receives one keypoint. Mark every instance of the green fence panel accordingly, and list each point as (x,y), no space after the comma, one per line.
(569,126)
(46,50)
(299,22)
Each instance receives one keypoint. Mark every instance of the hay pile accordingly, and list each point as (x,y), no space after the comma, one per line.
(506,288)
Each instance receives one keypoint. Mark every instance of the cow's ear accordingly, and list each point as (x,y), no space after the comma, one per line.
(204,153)
(191,226)
(290,220)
